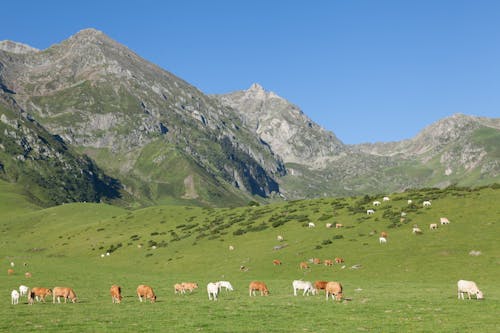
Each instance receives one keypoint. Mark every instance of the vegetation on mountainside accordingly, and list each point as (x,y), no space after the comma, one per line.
(48,169)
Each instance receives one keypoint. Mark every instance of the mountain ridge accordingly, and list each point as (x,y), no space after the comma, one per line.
(164,138)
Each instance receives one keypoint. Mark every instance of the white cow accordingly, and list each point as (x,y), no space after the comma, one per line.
(426,203)
(370,212)
(385,199)
(212,290)
(416,230)
(14,295)
(311,225)
(382,240)
(23,290)
(376,203)
(433,226)
(410,201)
(303,285)
(444,220)
(329,225)
(225,284)
(231,248)
(468,287)
(280,238)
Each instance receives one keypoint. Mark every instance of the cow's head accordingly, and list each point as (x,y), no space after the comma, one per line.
(266,291)
(339,296)
(479,294)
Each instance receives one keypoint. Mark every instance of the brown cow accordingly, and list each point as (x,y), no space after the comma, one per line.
(257,285)
(304,265)
(40,293)
(10,271)
(339,225)
(334,289)
(320,285)
(276,262)
(383,234)
(339,260)
(328,262)
(116,294)
(189,286)
(27,275)
(63,292)
(316,261)
(146,292)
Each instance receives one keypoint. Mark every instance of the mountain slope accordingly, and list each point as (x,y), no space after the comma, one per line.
(103,98)
(49,171)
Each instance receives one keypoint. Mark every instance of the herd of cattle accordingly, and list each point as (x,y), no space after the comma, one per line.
(331,288)
(144,292)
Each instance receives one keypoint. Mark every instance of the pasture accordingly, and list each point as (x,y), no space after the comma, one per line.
(408,284)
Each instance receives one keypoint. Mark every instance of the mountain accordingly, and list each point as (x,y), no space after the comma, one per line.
(289,132)
(161,136)
(460,149)
(164,141)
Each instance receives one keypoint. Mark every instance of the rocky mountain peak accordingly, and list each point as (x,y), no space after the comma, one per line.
(15,47)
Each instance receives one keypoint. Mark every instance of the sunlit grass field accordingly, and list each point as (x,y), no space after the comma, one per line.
(406,285)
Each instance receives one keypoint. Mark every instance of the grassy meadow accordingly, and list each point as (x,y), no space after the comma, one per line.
(406,285)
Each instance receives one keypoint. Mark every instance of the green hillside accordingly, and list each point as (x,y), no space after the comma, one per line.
(408,284)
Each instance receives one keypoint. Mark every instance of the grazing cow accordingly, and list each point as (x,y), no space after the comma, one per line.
(433,226)
(231,248)
(444,220)
(328,262)
(311,225)
(225,284)
(12,264)
(40,293)
(276,262)
(23,290)
(280,238)
(470,288)
(14,297)
(426,203)
(370,212)
(416,231)
(189,286)
(334,289)
(376,203)
(306,286)
(257,285)
(146,292)
(116,294)
(316,261)
(10,271)
(304,265)
(339,260)
(27,275)
(178,288)
(410,201)
(383,234)
(320,285)
(213,290)
(382,240)
(329,225)
(403,214)
(339,225)
(385,199)
(65,292)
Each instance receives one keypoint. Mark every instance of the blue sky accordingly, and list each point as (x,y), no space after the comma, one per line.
(368,70)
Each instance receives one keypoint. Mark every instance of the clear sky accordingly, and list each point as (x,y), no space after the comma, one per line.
(368,70)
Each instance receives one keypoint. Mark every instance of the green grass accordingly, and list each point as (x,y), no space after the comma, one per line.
(406,285)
